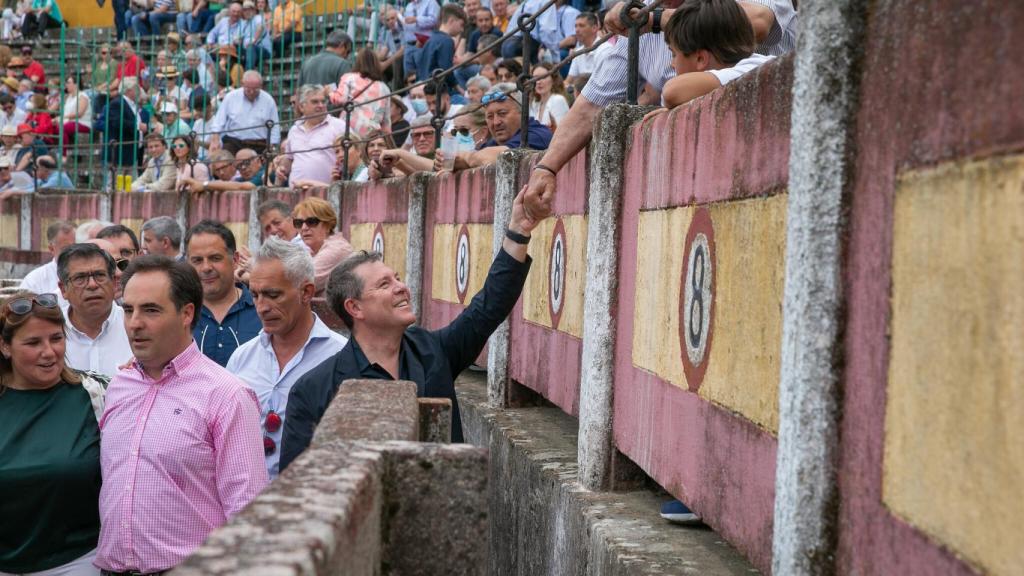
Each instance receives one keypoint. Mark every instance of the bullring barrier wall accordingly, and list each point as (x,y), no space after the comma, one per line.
(695,361)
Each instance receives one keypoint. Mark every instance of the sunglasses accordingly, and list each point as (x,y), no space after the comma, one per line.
(312,222)
(180,145)
(271,424)
(497,96)
(423,134)
(457,131)
(22,306)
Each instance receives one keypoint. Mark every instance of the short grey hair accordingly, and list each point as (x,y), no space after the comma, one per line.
(87,230)
(306,90)
(421,121)
(344,283)
(510,89)
(165,227)
(480,82)
(337,39)
(250,74)
(281,206)
(297,263)
(57,227)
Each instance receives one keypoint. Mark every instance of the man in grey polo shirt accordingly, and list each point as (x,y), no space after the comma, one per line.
(326,68)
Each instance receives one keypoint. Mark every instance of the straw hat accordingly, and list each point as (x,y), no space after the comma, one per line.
(9,130)
(17,62)
(227,51)
(174,37)
(10,83)
(167,72)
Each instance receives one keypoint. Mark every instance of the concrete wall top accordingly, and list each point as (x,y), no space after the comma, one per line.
(933,338)
(700,302)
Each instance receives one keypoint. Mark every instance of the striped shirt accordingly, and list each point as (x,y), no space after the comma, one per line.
(181,455)
(607,85)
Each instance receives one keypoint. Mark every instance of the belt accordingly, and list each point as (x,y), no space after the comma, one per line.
(130,573)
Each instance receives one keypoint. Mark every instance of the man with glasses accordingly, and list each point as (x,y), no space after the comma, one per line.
(505,123)
(398,161)
(96,338)
(243,116)
(11,182)
(250,166)
(293,340)
(309,152)
(59,235)
(10,114)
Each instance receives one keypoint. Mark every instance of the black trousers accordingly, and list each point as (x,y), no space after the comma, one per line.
(33,26)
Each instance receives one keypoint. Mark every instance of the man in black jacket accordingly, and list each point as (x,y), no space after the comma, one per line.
(121,126)
(374,303)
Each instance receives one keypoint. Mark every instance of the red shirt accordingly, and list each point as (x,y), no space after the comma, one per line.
(131,67)
(35,69)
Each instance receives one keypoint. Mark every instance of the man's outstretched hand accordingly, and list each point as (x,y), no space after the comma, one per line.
(540,193)
(519,223)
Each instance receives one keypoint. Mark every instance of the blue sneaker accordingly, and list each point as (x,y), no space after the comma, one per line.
(676,512)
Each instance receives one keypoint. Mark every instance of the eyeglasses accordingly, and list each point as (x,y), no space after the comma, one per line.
(457,131)
(243,164)
(22,306)
(122,264)
(496,96)
(82,280)
(271,424)
(312,222)
(429,134)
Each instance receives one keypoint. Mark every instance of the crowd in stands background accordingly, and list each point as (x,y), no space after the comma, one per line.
(125,327)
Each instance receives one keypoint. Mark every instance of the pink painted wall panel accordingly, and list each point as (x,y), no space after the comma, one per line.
(946,107)
(461,198)
(383,202)
(728,146)
(75,206)
(144,205)
(545,360)
(221,206)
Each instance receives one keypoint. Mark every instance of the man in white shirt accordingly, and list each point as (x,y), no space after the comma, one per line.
(43,280)
(587,28)
(293,340)
(242,118)
(96,336)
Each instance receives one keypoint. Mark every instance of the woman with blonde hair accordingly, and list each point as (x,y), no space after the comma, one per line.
(49,441)
(316,223)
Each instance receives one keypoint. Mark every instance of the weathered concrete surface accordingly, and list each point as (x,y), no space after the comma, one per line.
(612,137)
(376,410)
(17,263)
(357,503)
(323,310)
(435,420)
(545,522)
(436,520)
(824,108)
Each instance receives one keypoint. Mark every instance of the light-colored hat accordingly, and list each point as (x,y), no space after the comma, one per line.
(248,4)
(167,72)
(10,83)
(9,130)
(5,162)
(174,36)
(227,51)
(169,108)
(17,62)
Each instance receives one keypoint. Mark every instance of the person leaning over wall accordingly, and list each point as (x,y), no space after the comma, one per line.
(375,305)
(49,444)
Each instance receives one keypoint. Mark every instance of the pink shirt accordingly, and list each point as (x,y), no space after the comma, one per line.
(180,456)
(312,150)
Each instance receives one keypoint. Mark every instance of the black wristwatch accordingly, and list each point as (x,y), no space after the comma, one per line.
(656,25)
(517,237)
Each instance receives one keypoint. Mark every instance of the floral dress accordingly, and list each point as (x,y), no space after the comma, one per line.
(374,116)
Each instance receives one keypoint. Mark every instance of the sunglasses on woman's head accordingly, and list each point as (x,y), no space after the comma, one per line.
(312,222)
(22,306)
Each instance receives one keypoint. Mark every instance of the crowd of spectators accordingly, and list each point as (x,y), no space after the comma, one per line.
(218,348)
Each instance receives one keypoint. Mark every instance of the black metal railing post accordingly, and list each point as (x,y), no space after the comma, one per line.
(526,25)
(346,144)
(438,120)
(633,49)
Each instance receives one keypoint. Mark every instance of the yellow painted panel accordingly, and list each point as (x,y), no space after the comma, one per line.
(481,241)
(743,365)
(239,229)
(9,230)
(954,459)
(136,225)
(83,13)
(395,238)
(535,294)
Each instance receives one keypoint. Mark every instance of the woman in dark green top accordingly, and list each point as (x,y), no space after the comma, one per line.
(49,445)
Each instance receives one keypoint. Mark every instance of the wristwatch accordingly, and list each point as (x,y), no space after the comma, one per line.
(206,186)
(656,25)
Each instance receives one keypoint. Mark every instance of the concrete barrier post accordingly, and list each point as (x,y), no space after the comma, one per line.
(607,155)
(506,187)
(106,205)
(25,239)
(334,197)
(825,89)
(415,239)
(255,231)
(184,207)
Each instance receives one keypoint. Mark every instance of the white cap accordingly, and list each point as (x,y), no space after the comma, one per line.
(169,108)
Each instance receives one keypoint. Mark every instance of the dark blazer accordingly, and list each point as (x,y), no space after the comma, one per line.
(431,359)
(120,124)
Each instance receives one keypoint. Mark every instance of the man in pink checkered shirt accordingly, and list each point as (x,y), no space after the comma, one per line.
(182,446)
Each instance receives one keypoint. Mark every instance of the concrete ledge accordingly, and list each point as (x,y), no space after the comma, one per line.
(376,410)
(545,522)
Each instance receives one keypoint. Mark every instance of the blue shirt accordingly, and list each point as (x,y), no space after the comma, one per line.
(255,363)
(438,52)
(538,136)
(57,180)
(241,324)
(426,13)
